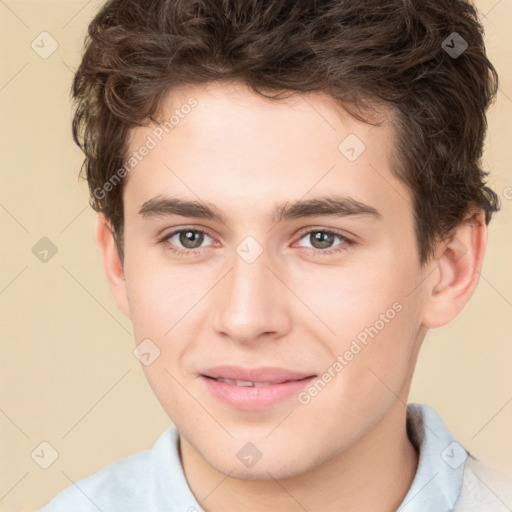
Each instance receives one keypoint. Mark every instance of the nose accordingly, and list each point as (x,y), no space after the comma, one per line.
(252,302)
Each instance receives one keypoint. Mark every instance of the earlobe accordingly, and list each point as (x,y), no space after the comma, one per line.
(457,273)
(112,263)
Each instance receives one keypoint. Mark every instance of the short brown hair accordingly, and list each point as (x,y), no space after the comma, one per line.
(357,51)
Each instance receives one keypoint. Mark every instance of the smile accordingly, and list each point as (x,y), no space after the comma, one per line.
(254,395)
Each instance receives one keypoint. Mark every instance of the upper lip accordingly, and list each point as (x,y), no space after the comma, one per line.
(270,374)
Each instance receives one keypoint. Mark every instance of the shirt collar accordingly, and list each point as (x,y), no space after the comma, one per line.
(438,480)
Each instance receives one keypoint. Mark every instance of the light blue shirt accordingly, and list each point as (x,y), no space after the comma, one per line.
(447,479)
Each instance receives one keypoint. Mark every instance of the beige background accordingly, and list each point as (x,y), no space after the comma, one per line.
(68,375)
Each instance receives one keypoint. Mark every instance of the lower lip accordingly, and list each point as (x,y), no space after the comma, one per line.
(252,398)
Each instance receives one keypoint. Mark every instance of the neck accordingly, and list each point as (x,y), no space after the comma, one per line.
(374,474)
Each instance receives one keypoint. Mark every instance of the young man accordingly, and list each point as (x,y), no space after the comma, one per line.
(289,196)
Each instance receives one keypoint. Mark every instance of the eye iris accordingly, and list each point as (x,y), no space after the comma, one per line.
(191,239)
(321,239)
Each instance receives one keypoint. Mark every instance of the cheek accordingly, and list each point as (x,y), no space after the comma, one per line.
(351,297)
(167,305)
(161,295)
(161,302)
(373,319)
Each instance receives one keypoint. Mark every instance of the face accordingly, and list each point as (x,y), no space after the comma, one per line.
(318,304)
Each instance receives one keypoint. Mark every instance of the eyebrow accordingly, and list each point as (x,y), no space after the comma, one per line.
(337,206)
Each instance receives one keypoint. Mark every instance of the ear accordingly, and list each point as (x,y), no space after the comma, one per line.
(112,263)
(458,262)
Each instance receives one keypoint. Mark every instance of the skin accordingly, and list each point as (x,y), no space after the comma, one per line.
(293,307)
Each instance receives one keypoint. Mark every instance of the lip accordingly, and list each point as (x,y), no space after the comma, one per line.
(283,385)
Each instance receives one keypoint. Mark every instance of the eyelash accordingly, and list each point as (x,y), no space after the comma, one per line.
(327,252)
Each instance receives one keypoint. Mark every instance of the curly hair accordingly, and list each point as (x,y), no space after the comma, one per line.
(360,52)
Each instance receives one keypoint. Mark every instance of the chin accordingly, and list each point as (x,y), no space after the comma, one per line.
(262,470)
(260,473)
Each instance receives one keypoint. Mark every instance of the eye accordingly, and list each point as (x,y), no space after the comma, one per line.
(322,239)
(189,242)
(185,241)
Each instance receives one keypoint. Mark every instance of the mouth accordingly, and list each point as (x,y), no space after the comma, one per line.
(254,389)
(247,383)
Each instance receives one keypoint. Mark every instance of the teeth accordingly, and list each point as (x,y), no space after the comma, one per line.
(244,383)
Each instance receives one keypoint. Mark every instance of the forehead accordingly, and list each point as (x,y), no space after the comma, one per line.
(227,145)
